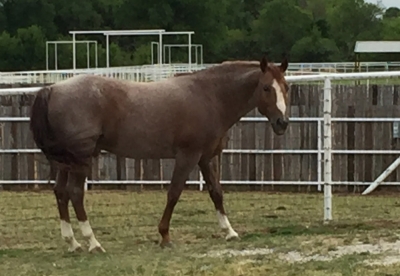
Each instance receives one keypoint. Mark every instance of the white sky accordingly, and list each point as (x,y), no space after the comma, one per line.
(387,3)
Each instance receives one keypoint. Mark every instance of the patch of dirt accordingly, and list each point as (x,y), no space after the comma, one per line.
(391,252)
(234,253)
(388,260)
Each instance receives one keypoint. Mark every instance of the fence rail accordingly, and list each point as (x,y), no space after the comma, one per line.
(156,72)
(324,134)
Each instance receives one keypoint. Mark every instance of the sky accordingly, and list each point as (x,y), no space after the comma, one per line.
(387,3)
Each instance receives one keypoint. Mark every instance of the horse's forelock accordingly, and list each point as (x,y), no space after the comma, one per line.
(276,72)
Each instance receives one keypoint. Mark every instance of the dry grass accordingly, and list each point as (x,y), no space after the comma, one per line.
(126,225)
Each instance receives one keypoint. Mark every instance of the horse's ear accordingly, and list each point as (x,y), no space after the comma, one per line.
(264,63)
(284,65)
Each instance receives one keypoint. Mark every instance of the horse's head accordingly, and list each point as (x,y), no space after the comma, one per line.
(272,91)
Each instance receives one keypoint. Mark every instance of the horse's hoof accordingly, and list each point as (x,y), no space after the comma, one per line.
(97,249)
(166,244)
(75,249)
(232,236)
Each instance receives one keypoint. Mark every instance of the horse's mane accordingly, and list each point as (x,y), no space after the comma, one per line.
(233,63)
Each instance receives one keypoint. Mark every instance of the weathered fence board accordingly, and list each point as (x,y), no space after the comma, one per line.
(306,101)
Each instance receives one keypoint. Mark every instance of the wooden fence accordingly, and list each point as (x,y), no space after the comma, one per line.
(306,101)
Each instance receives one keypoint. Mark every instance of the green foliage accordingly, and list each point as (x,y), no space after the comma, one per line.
(308,30)
(315,47)
(392,12)
(275,30)
(9,52)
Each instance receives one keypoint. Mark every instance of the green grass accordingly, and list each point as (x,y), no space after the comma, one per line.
(126,225)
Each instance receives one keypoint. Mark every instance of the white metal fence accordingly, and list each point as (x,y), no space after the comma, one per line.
(324,149)
(143,73)
(156,72)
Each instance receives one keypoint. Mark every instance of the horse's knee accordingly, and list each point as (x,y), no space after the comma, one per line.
(75,193)
(60,192)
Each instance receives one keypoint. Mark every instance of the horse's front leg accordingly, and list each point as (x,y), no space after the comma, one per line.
(210,170)
(75,187)
(184,164)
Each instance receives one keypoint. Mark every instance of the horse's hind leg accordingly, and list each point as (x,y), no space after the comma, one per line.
(62,198)
(210,171)
(75,187)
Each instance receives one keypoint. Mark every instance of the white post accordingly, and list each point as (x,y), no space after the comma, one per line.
(201,181)
(47,55)
(88,54)
(55,56)
(164,54)
(327,151)
(160,48)
(152,50)
(319,157)
(190,51)
(107,51)
(201,54)
(95,54)
(86,184)
(73,53)
(382,177)
(196,57)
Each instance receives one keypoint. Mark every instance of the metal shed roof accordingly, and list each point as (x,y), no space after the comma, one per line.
(377,47)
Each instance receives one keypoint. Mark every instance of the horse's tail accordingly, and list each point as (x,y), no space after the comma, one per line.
(43,133)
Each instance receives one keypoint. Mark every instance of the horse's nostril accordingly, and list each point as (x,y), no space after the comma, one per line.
(281,122)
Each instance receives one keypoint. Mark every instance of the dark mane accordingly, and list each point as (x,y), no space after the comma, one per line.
(234,65)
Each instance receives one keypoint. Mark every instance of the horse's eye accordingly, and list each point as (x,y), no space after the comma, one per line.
(266,88)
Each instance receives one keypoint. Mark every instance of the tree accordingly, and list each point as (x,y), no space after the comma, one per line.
(31,46)
(25,13)
(314,48)
(391,12)
(391,28)
(206,18)
(352,20)
(309,30)
(76,15)
(280,25)
(3,19)
(10,55)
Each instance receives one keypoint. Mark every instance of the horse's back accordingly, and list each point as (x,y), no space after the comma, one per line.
(128,118)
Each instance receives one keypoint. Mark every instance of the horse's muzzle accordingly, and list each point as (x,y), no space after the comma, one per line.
(280,126)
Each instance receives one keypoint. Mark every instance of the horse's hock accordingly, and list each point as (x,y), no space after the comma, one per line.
(306,101)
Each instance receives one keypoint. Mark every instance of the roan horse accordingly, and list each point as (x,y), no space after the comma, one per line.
(185,118)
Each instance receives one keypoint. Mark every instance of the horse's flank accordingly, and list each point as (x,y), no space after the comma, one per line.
(149,120)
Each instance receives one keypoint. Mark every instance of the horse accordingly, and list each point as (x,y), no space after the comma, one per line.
(185,118)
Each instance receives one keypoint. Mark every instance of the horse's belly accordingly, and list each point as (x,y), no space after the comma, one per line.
(147,152)
(149,148)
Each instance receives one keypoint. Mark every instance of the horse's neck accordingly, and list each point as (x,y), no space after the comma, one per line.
(236,95)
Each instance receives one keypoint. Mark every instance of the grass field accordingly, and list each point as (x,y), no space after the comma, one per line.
(281,234)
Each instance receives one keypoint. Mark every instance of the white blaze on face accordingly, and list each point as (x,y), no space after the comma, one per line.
(280,98)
